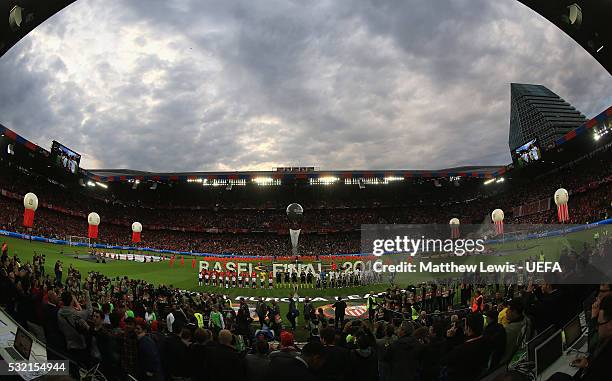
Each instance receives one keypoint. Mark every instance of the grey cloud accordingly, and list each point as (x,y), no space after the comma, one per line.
(355,84)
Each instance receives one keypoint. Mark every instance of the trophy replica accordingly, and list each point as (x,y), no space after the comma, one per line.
(294,214)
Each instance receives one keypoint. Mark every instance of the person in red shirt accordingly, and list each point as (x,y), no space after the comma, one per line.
(478,302)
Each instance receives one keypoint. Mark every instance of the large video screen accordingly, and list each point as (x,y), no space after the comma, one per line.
(65,157)
(527,153)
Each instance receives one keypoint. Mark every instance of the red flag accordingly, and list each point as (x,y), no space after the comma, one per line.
(454,231)
(135,237)
(499,227)
(92,232)
(28,218)
(563,213)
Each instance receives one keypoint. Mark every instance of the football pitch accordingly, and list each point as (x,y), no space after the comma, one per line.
(185,277)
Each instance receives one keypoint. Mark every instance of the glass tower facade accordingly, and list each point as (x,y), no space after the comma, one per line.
(538,113)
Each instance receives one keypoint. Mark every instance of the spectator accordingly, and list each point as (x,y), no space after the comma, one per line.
(149,363)
(335,357)
(72,322)
(515,330)
(404,355)
(226,363)
(287,346)
(494,335)
(469,360)
(363,363)
(54,338)
(257,363)
(298,368)
(200,352)
(176,355)
(597,366)
(385,338)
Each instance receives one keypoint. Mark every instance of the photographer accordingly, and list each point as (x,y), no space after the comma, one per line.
(72,323)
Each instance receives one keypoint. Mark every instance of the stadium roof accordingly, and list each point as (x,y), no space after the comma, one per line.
(587,22)
(116,175)
(119,175)
(20,17)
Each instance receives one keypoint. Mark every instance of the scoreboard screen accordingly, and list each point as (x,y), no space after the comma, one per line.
(527,153)
(65,158)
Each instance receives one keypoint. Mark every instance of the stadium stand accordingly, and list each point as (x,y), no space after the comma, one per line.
(127,326)
(255,230)
(124,328)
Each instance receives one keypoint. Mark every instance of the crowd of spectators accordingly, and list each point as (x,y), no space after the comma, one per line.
(325,230)
(584,207)
(128,326)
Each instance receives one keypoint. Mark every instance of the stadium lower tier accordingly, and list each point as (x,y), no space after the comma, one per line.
(123,328)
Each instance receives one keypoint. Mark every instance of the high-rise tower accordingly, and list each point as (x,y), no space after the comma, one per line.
(538,113)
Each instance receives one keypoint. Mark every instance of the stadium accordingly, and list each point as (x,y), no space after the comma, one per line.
(300,271)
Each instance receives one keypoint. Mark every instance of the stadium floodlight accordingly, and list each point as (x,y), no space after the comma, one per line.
(487,182)
(102,185)
(15,17)
(575,15)
(500,180)
(214,183)
(572,16)
(327,180)
(263,180)
(393,178)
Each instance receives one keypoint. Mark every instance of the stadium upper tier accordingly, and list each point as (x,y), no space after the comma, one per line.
(251,220)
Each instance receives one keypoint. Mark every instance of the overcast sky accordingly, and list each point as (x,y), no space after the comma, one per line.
(245,85)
